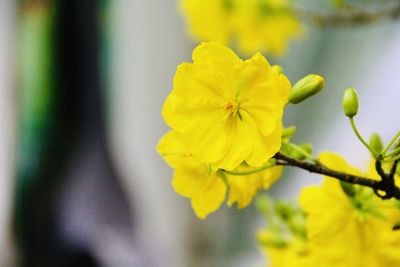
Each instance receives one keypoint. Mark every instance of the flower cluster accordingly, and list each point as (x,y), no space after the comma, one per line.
(254,25)
(346,226)
(226,118)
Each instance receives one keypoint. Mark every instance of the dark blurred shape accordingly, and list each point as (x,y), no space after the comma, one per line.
(69,201)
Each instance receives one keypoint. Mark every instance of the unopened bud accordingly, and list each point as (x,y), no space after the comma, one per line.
(271,239)
(263,204)
(284,211)
(288,132)
(375,142)
(306,88)
(350,102)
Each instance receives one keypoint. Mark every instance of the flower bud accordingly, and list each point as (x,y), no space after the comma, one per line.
(271,239)
(375,142)
(284,211)
(306,88)
(263,204)
(288,132)
(350,102)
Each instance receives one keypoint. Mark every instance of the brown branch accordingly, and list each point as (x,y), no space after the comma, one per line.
(379,169)
(390,176)
(317,167)
(388,181)
(350,18)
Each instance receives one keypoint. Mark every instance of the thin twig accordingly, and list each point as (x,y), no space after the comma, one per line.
(379,169)
(317,167)
(350,18)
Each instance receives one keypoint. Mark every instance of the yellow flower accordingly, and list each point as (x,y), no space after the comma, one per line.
(256,25)
(266,25)
(227,110)
(349,232)
(293,253)
(207,20)
(192,179)
(205,186)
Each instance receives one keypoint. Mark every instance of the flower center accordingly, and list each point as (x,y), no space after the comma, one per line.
(232,107)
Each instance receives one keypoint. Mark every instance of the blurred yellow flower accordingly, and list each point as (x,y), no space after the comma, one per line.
(255,25)
(207,20)
(349,232)
(207,187)
(227,110)
(265,25)
(293,253)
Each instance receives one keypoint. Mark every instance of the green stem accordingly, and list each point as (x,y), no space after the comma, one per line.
(353,125)
(392,159)
(269,164)
(394,152)
(391,143)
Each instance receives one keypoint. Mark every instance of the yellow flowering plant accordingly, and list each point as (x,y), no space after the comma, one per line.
(269,26)
(253,25)
(227,137)
(227,142)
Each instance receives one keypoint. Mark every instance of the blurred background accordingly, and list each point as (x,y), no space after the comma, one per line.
(82,84)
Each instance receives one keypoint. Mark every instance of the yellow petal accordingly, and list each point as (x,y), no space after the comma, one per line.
(208,84)
(204,187)
(265,147)
(243,189)
(218,56)
(170,147)
(212,197)
(189,178)
(271,175)
(209,138)
(240,145)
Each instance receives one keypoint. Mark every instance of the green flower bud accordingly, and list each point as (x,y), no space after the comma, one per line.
(350,102)
(264,205)
(348,189)
(277,69)
(375,142)
(288,132)
(306,88)
(284,211)
(272,239)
